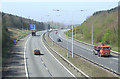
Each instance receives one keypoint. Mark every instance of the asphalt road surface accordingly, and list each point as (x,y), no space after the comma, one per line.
(86,51)
(44,65)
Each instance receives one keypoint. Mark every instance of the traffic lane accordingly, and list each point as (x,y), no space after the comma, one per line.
(35,66)
(114,57)
(44,65)
(56,69)
(80,51)
(55,36)
(106,61)
(112,62)
(83,46)
(62,35)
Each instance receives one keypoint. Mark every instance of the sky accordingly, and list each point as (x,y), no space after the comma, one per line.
(43,11)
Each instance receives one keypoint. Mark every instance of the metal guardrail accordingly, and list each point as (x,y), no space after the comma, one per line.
(82,73)
(106,68)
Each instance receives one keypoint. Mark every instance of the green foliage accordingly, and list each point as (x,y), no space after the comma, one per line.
(107,37)
(105,28)
(13,21)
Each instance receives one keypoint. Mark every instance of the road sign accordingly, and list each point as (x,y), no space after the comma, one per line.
(32,26)
(14,41)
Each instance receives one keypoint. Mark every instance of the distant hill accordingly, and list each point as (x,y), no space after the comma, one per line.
(9,20)
(17,22)
(105,26)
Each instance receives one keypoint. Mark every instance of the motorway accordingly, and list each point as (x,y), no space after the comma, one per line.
(44,65)
(85,51)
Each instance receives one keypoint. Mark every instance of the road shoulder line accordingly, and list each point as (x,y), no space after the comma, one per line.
(56,59)
(25,61)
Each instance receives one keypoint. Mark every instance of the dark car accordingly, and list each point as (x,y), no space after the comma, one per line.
(58,40)
(37,52)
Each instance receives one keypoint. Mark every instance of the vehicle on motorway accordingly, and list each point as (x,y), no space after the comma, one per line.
(56,32)
(37,52)
(59,40)
(33,33)
(101,50)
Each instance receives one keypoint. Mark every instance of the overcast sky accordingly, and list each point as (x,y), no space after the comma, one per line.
(39,10)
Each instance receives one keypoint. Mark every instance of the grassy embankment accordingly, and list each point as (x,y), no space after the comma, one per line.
(12,26)
(105,29)
(12,34)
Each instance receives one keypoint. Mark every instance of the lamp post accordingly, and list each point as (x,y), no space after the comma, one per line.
(92,34)
(67,46)
(67,35)
(56,23)
(75,33)
(22,23)
(72,36)
(47,21)
(57,11)
(28,22)
(75,28)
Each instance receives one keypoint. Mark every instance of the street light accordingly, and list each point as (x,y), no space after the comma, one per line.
(75,32)
(56,22)
(56,11)
(67,34)
(92,34)
(67,46)
(28,22)
(47,21)
(75,28)
(42,18)
(22,23)
(72,35)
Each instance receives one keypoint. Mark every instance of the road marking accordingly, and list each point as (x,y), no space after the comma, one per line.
(115,58)
(56,59)
(49,72)
(26,70)
(21,39)
(41,59)
(46,67)
(74,43)
(97,57)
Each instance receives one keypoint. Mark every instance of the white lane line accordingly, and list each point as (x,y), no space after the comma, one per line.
(97,57)
(80,46)
(45,67)
(74,41)
(25,59)
(56,59)
(115,59)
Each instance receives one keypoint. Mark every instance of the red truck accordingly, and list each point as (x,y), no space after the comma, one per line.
(102,50)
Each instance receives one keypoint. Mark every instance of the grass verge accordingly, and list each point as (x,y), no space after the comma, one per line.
(12,34)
